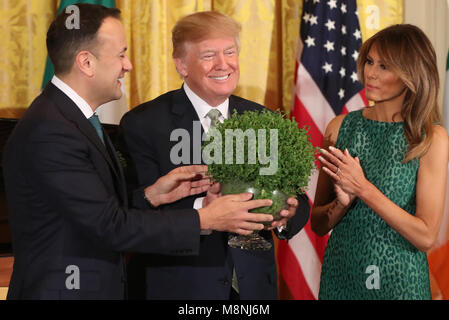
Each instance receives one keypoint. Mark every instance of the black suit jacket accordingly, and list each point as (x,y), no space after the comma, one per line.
(67,206)
(147,129)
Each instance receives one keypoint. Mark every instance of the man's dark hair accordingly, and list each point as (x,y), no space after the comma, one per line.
(64,43)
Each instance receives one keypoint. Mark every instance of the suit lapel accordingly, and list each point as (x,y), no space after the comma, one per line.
(183,111)
(235,106)
(73,114)
(120,177)
(184,116)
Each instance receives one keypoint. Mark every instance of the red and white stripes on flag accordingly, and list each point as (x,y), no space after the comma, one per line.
(326,85)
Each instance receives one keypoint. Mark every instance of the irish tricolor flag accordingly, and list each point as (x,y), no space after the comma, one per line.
(439,257)
(446,97)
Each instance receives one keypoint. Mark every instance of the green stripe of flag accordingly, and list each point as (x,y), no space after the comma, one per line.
(49,69)
(446,97)
(447,62)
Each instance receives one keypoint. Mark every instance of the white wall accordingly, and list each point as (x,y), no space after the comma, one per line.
(432,16)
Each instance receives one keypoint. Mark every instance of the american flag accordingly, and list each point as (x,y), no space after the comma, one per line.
(326,85)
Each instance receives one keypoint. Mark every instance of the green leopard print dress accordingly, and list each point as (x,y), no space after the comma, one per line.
(365,258)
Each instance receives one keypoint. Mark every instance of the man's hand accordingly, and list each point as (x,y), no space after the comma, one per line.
(213,193)
(177,184)
(286,214)
(230,213)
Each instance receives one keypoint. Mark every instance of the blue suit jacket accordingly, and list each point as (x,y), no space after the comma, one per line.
(146,130)
(67,206)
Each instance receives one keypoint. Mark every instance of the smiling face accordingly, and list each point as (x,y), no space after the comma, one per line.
(381,83)
(111,61)
(210,67)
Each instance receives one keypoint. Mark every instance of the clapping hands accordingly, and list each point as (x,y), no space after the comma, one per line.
(345,171)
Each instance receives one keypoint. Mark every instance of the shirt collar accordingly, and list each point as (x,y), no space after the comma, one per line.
(69,92)
(202,107)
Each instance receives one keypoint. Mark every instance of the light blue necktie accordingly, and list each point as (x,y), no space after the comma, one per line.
(213,115)
(97,125)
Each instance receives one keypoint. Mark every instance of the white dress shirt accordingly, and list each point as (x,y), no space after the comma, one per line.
(202,108)
(69,92)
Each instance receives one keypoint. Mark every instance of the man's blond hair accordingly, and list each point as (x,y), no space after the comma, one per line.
(201,25)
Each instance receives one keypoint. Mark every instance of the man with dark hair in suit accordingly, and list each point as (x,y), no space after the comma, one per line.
(205,51)
(67,198)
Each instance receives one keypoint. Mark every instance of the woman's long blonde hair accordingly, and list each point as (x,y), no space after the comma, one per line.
(407,51)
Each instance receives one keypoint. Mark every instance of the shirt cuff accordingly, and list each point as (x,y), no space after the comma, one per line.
(198,204)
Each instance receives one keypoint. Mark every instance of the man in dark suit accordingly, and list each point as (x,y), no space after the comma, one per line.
(205,51)
(67,197)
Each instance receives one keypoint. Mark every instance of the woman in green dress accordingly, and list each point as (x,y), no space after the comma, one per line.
(381,188)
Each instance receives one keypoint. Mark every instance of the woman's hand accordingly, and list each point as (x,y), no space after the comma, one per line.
(344,198)
(346,173)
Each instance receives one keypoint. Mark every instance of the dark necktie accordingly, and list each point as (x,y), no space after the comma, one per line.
(97,125)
